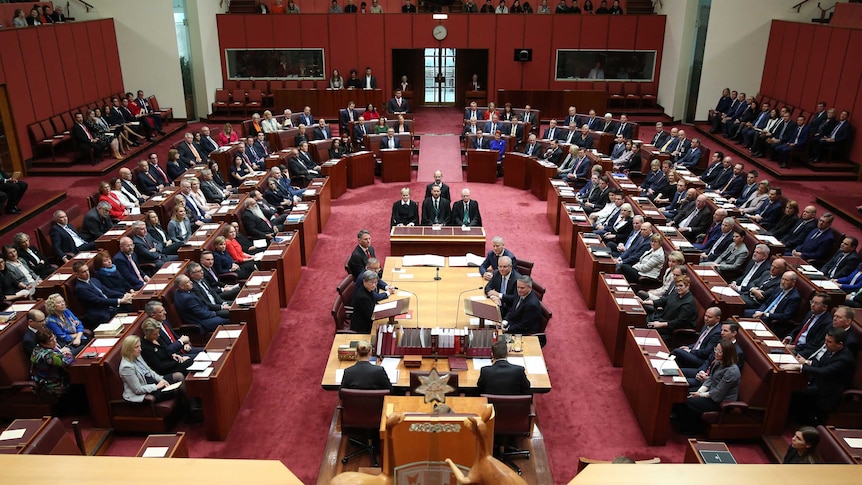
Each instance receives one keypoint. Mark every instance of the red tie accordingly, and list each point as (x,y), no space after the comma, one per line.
(804,329)
(367,253)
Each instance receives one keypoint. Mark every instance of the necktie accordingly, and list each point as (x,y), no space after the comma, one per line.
(749,275)
(700,339)
(690,218)
(207,292)
(728,183)
(514,127)
(503,285)
(816,235)
(134,267)
(89,136)
(798,132)
(167,333)
(802,332)
(436,209)
(466,214)
(775,302)
(519,303)
(99,290)
(835,131)
(667,144)
(367,253)
(212,273)
(837,264)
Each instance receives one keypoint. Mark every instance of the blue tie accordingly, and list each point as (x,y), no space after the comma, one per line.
(775,302)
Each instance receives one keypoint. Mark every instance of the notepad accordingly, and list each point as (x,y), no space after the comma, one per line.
(644,341)
(155,452)
(105,342)
(773,343)
(208,356)
(628,301)
(752,325)
(228,333)
(173,386)
(339,374)
(705,272)
(199,365)
(763,333)
(517,360)
(12,434)
(782,359)
(155,287)
(853,442)
(479,363)
(204,373)
(535,365)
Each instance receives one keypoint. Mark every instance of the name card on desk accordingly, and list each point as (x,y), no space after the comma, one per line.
(782,358)
(628,301)
(12,434)
(228,333)
(773,343)
(208,356)
(535,364)
(155,287)
(105,342)
(155,452)
(752,325)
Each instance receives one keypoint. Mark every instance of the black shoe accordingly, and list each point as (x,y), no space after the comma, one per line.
(14,210)
(162,132)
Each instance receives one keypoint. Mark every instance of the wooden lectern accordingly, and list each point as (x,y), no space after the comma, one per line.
(395,165)
(482,166)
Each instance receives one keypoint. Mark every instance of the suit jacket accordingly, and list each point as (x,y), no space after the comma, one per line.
(80,136)
(490,262)
(497,280)
(524,318)
(841,266)
(712,172)
(678,312)
(624,129)
(148,184)
(556,135)
(321,134)
(733,186)
(384,142)
(160,359)
(186,154)
(444,191)
(195,311)
(359,132)
(555,156)
(143,246)
(816,249)
(756,278)
(607,126)
(444,211)
(297,168)
(132,191)
(212,192)
(365,375)
(723,104)
(533,149)
(255,227)
(786,308)
(201,292)
(458,213)
(830,376)
(691,158)
(100,302)
(392,106)
(127,272)
(637,248)
(62,241)
(503,378)
(363,308)
(799,233)
(700,222)
(304,119)
(707,346)
(345,117)
(406,215)
(358,260)
(816,333)
(135,385)
(94,225)
(159,175)
(175,168)
(732,258)
(659,139)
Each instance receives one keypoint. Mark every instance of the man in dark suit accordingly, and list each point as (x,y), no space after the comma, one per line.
(127,265)
(363,250)
(514,130)
(817,244)
(780,306)
(806,338)
(807,221)
(474,112)
(701,349)
(347,115)
(35,322)
(190,152)
(691,157)
(322,131)
(724,103)
(693,219)
(205,292)
(842,318)
(359,132)
(369,81)
(297,167)
(193,309)
(85,140)
(465,212)
(572,117)
(593,122)
(97,221)
(624,128)
(207,144)
(715,243)
(226,291)
(471,128)
(660,136)
(405,212)
(696,375)
(503,282)
(754,271)
(797,140)
(552,133)
(363,374)
(305,117)
(255,223)
(148,184)
(147,248)
(390,141)
(498,250)
(397,104)
(830,372)
(630,251)
(502,377)
(161,178)
(554,153)
(435,208)
(438,181)
(173,343)
(479,141)
(732,188)
(213,193)
(66,241)
(608,125)
(383,289)
(128,187)
(525,310)
(683,145)
(532,148)
(834,139)
(100,302)
(260,149)
(844,261)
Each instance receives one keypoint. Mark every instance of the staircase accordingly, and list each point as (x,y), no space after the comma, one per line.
(639,7)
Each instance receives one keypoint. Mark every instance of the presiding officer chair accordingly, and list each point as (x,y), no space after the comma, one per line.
(360,416)
(514,420)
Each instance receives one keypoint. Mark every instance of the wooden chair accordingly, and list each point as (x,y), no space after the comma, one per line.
(524,267)
(360,416)
(514,420)
(237,102)
(345,283)
(648,95)
(255,100)
(222,101)
(632,94)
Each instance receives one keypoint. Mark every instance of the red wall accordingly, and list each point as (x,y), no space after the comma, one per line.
(356,41)
(808,63)
(393,6)
(54,68)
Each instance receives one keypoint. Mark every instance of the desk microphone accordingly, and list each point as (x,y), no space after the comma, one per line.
(417,302)
(437,276)
(661,367)
(458,303)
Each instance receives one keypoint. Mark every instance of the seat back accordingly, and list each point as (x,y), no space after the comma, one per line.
(43,231)
(347,281)
(361,408)
(246,85)
(339,314)
(415,382)
(238,96)
(37,132)
(539,290)
(514,414)
(831,451)
(524,266)
(222,96)
(255,96)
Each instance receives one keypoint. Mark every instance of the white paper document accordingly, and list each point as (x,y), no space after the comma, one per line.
(706,272)
(516,360)
(644,341)
(782,358)
(228,333)
(535,365)
(173,386)
(339,374)
(204,373)
(155,452)
(199,365)
(389,305)
(478,363)
(628,301)
(12,434)
(773,343)
(105,342)
(853,442)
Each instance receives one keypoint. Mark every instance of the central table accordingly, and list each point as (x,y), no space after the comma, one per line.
(442,240)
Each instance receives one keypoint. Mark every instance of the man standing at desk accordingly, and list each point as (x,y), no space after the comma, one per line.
(526,311)
(363,250)
(383,290)
(405,212)
(498,249)
(363,374)
(502,377)
(504,281)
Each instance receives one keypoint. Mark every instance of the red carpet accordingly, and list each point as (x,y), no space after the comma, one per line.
(440,152)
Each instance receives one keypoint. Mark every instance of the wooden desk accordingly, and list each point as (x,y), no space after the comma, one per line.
(589,265)
(540,172)
(839,436)
(302,220)
(650,394)
(680,243)
(45,436)
(336,171)
(160,284)
(573,220)
(692,451)
(730,305)
(223,391)
(645,207)
(174,445)
(540,381)
(262,317)
(613,318)
(557,191)
(327,103)
(110,241)
(360,168)
(515,170)
(281,140)
(88,371)
(482,166)
(395,164)
(162,202)
(284,258)
(685,474)
(444,241)
(201,240)
(624,183)
(320,191)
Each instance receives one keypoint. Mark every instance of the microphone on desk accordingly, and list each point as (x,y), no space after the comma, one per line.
(661,367)
(458,303)
(437,276)
(416,316)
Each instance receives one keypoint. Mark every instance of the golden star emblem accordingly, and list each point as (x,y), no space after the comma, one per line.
(434,386)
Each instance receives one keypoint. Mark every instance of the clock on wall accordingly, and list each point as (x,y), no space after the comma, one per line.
(440,32)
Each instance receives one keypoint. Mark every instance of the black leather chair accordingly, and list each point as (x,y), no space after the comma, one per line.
(523,266)
(513,420)
(345,283)
(360,416)
(539,290)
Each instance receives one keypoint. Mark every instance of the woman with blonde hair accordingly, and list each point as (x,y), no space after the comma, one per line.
(140,380)
(64,324)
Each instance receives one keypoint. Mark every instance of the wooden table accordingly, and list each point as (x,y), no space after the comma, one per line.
(515,172)
(227,211)
(44,436)
(110,241)
(482,166)
(692,451)
(443,240)
(336,171)
(557,191)
(162,202)
(174,445)
(540,381)
(395,164)
(201,239)
(160,284)
(573,220)
(360,168)
(624,183)
(645,207)
(303,220)
(615,313)
(681,244)
(223,391)
(262,317)
(320,192)
(284,258)
(730,305)
(224,157)
(540,172)
(650,395)
(88,371)
(589,265)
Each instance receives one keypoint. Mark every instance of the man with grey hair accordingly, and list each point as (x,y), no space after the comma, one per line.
(65,240)
(128,187)
(363,303)
(97,221)
(498,249)
(196,214)
(382,291)
(525,310)
(172,343)
(504,282)
(193,309)
(255,223)
(717,235)
(288,121)
(205,292)
(190,154)
(127,265)
(287,191)
(212,192)
(147,248)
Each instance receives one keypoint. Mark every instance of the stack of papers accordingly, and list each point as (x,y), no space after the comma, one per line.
(228,333)
(782,359)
